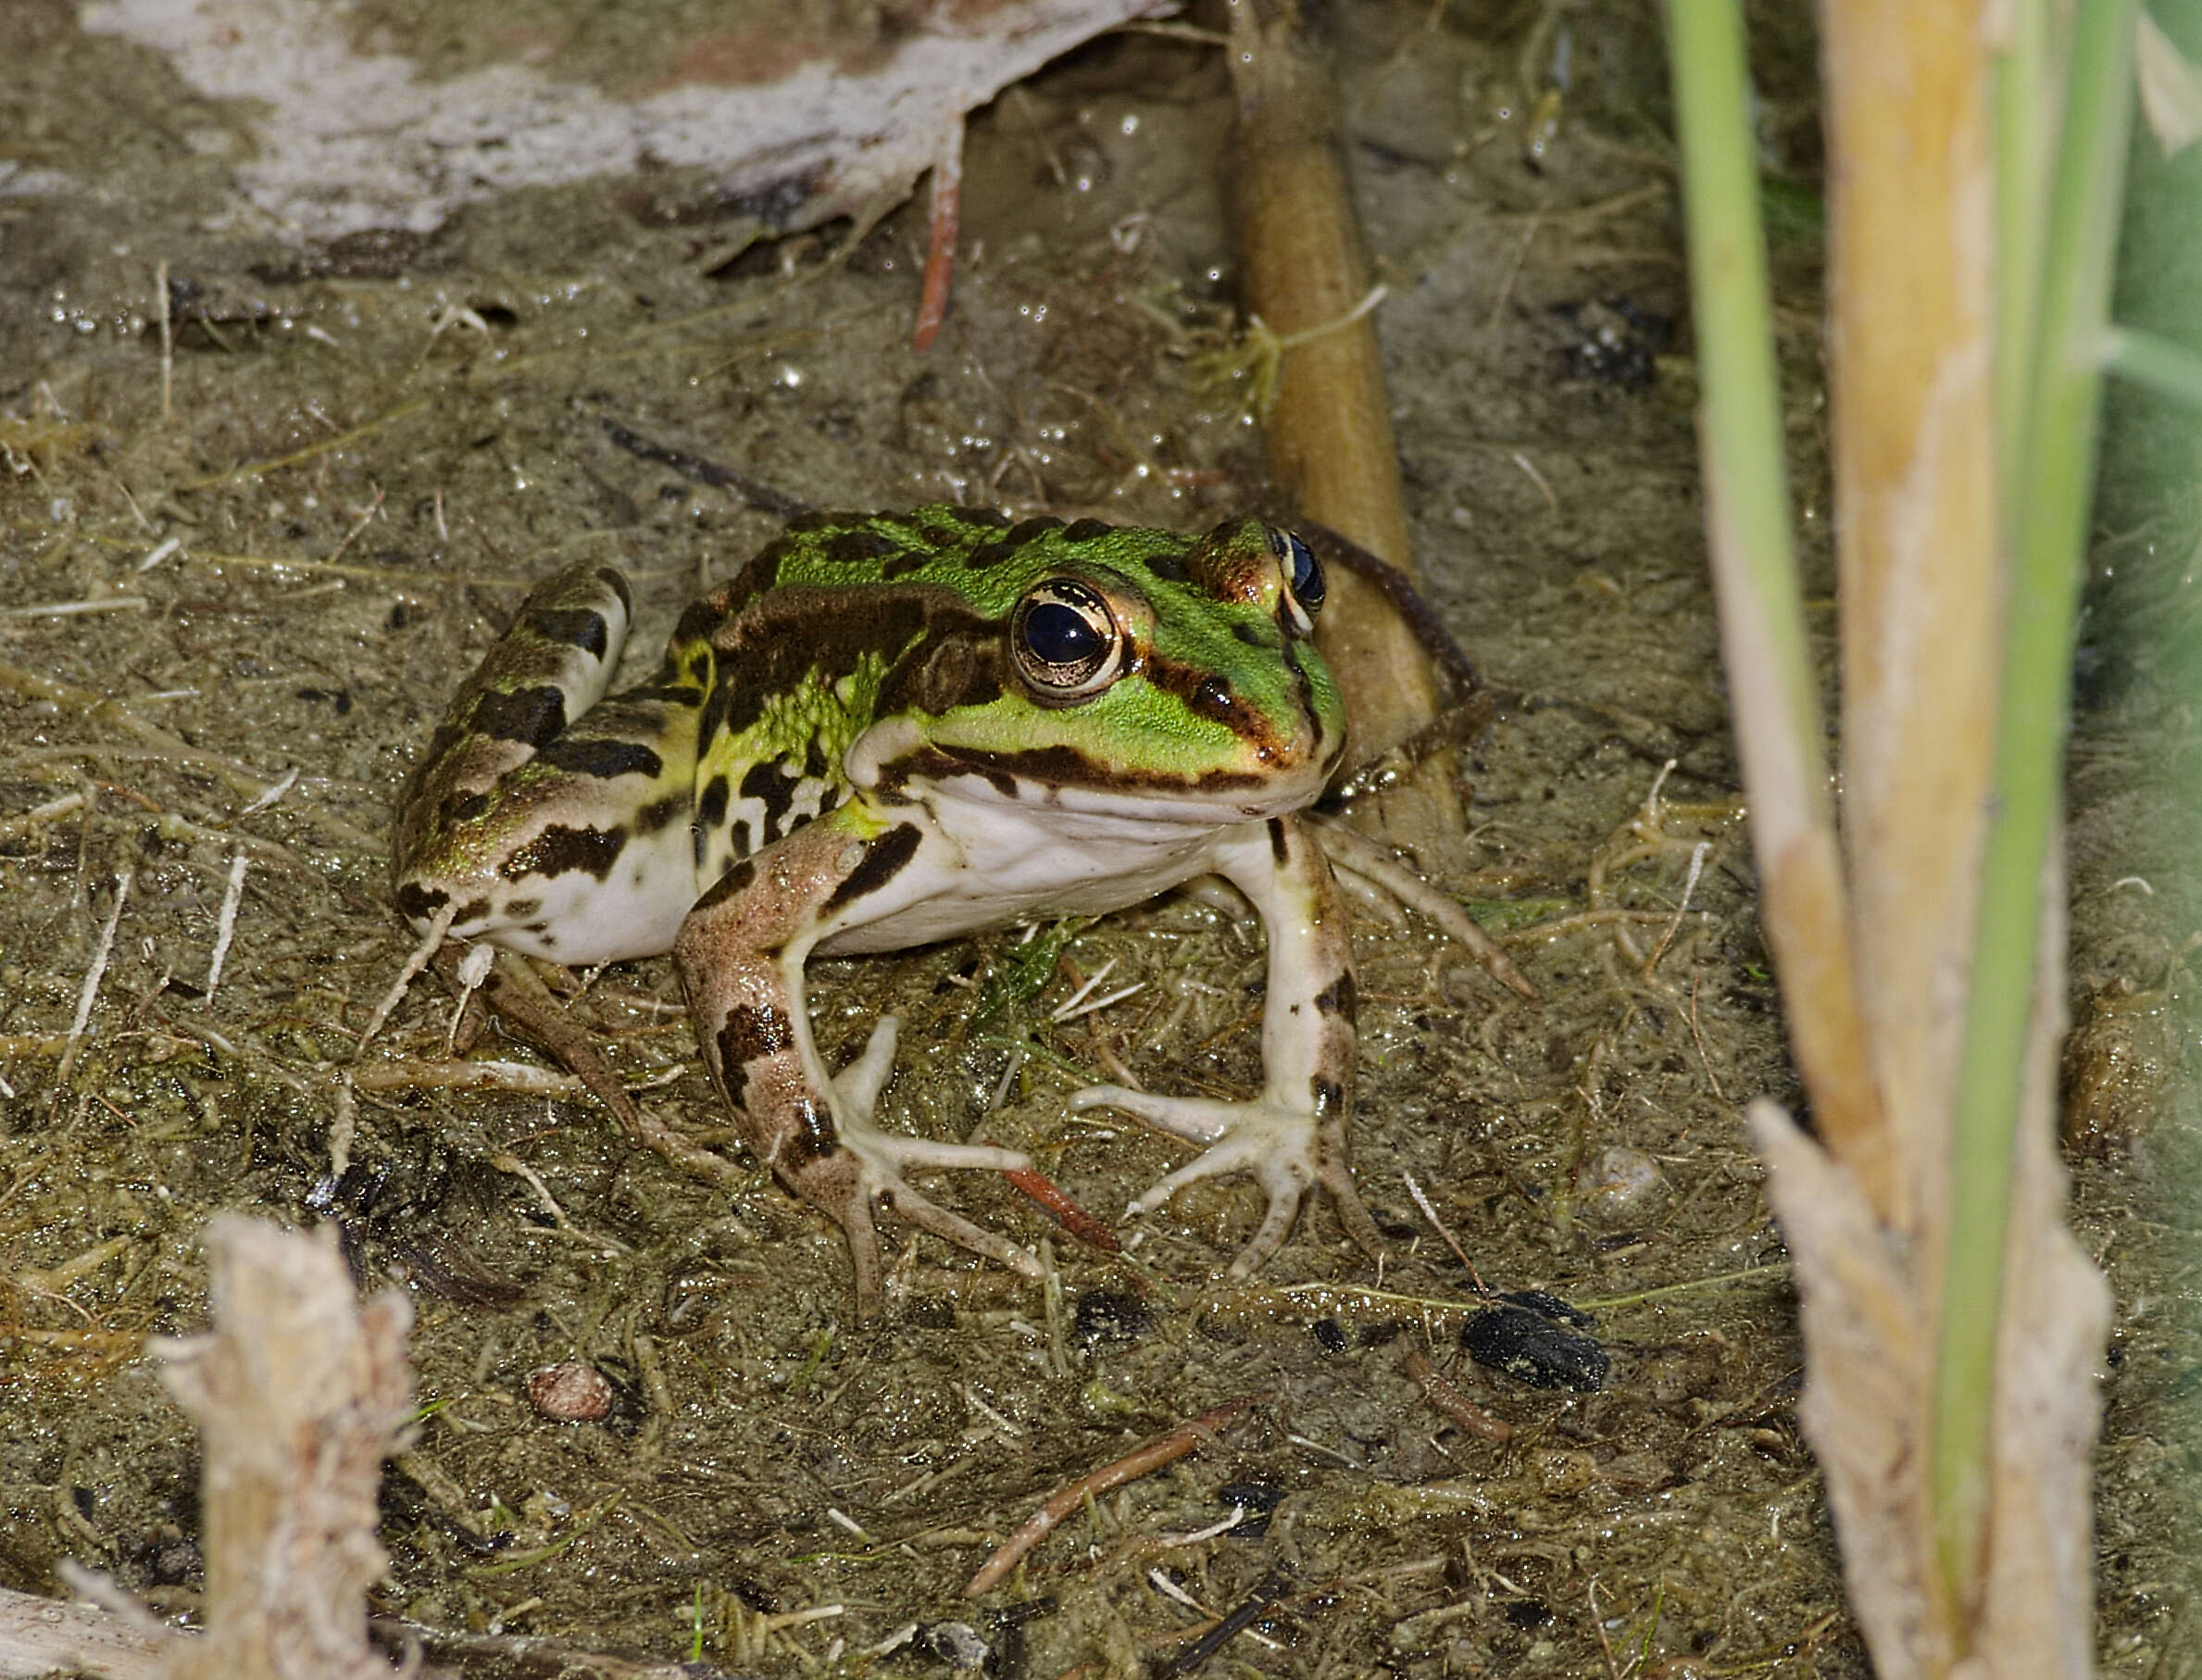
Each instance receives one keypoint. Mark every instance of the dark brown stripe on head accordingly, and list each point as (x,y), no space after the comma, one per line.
(1060,766)
(601,759)
(559,850)
(1210,696)
(883,860)
(1212,699)
(571,627)
(533,715)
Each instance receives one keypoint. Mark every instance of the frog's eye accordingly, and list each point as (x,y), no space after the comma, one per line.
(1067,642)
(1303,578)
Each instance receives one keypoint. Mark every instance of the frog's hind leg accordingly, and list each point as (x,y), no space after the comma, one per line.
(548,819)
(741,955)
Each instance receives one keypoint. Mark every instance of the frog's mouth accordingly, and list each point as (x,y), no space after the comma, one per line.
(1063,778)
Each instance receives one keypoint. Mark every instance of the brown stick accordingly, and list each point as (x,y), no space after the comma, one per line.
(1451,1402)
(1144,1461)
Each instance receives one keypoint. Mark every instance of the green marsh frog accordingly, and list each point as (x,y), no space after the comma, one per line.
(892,729)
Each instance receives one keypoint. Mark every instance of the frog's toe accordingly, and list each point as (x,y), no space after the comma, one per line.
(906,1203)
(858,1087)
(1198,1119)
(1287,1151)
(883,1157)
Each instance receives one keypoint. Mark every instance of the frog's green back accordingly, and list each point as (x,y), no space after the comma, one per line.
(846,619)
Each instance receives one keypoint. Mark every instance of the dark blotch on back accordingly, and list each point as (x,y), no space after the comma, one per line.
(984,516)
(533,715)
(849,546)
(571,627)
(601,759)
(883,860)
(1169,567)
(991,554)
(658,813)
(711,810)
(1086,531)
(559,850)
(775,792)
(1039,525)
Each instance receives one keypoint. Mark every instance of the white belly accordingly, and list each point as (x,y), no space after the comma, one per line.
(987,862)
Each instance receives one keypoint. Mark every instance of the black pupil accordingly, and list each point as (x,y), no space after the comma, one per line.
(1307,573)
(1060,636)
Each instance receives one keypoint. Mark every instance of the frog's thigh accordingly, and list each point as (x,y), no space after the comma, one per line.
(740,956)
(584,852)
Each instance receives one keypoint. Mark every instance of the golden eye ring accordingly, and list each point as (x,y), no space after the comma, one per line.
(1067,644)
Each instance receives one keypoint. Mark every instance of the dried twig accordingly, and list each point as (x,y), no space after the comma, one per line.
(89,990)
(1163,1451)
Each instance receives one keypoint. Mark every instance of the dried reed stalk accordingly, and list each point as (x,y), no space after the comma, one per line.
(1955,1436)
(1329,430)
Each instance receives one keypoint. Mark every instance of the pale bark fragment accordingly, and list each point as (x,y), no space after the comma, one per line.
(299,1393)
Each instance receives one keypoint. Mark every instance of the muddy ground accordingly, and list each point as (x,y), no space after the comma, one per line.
(272,586)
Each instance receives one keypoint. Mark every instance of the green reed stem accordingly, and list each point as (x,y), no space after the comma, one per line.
(2054,469)
(1740,402)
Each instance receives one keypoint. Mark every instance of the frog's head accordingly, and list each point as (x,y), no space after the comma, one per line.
(1118,671)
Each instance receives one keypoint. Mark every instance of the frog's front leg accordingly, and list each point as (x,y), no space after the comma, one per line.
(740,956)
(1292,1137)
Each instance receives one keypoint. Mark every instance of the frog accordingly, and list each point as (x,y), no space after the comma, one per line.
(891,729)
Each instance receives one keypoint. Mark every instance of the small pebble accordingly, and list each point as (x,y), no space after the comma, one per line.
(570,1392)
